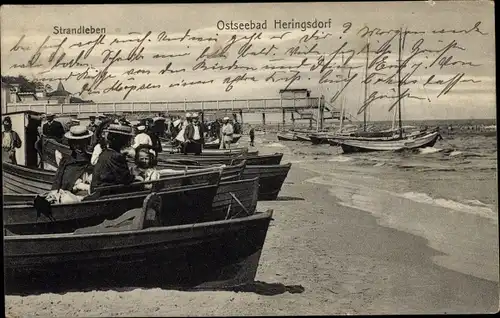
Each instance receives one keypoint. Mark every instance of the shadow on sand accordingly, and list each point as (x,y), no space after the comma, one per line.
(269,289)
(285,198)
(257,287)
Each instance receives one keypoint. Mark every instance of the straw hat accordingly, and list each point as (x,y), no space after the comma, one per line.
(195,115)
(100,116)
(159,118)
(49,115)
(225,118)
(141,128)
(120,129)
(188,115)
(78,132)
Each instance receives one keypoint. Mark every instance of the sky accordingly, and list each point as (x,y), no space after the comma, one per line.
(466,100)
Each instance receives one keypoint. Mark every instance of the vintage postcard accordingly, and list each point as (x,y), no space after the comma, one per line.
(245,159)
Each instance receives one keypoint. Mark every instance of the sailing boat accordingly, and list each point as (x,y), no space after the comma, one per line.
(419,139)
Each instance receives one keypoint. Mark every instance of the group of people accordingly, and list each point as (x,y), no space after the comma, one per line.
(191,133)
(81,173)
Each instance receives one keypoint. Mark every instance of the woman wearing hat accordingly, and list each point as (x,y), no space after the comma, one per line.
(111,167)
(74,173)
(10,141)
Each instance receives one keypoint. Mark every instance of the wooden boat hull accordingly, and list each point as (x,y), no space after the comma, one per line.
(317,140)
(286,137)
(212,152)
(303,137)
(246,191)
(229,172)
(272,159)
(271,179)
(391,144)
(181,205)
(209,255)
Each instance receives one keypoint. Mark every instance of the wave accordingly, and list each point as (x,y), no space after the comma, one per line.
(276,145)
(340,159)
(484,211)
(455,153)
(429,150)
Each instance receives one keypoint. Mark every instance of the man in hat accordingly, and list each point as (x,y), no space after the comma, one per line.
(227,134)
(92,125)
(111,167)
(194,136)
(52,128)
(10,141)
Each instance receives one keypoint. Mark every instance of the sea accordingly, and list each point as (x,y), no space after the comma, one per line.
(447,194)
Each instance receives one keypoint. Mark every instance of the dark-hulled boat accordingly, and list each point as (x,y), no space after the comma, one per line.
(182,203)
(210,255)
(286,136)
(319,138)
(271,179)
(213,152)
(229,172)
(52,148)
(268,159)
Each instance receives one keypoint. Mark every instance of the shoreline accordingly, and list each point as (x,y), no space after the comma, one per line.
(319,258)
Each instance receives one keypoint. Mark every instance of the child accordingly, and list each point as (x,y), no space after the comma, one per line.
(252,136)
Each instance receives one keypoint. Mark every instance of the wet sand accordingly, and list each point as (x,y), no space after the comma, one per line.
(320,257)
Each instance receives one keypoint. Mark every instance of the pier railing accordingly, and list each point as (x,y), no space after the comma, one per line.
(246,105)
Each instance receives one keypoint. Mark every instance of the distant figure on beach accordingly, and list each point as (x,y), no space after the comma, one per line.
(194,136)
(181,135)
(52,128)
(227,132)
(10,141)
(252,136)
(92,125)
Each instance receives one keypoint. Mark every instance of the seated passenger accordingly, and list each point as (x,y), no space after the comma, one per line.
(74,174)
(111,168)
(145,161)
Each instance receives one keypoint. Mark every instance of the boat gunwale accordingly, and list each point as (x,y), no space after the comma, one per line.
(256,216)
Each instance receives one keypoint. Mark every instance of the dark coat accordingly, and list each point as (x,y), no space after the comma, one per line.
(111,169)
(53,130)
(189,133)
(156,142)
(70,169)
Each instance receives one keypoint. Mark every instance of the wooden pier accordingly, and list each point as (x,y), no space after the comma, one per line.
(305,108)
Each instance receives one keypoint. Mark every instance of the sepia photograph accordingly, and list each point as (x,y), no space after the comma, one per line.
(242,159)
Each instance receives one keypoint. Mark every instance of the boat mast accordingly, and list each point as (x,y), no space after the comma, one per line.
(342,98)
(399,85)
(366,78)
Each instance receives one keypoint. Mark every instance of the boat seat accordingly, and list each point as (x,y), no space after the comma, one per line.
(132,220)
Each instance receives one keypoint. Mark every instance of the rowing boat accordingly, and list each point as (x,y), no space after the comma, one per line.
(271,179)
(209,255)
(286,136)
(188,200)
(268,159)
(212,152)
(388,144)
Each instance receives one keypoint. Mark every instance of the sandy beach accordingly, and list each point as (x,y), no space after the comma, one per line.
(321,257)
